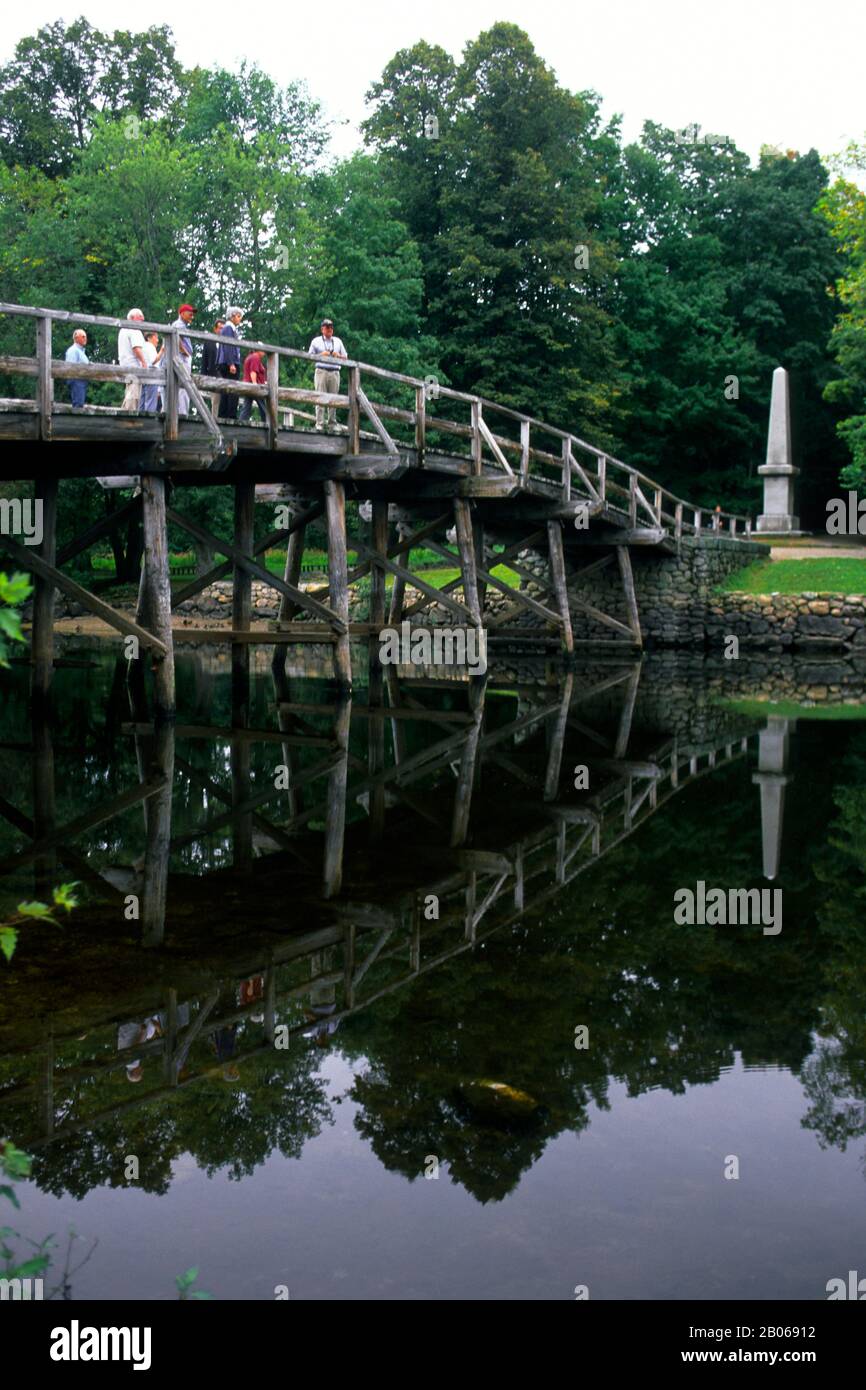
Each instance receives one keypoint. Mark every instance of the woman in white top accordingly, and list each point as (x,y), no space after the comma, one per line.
(151,393)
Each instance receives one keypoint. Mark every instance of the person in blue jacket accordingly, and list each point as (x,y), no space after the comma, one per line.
(229,360)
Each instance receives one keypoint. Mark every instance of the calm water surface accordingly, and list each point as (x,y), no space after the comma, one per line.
(255,1078)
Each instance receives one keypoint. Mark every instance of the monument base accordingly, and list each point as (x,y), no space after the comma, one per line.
(776,524)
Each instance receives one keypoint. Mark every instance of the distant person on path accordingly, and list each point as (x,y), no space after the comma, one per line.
(229,360)
(256,373)
(327,377)
(130,353)
(75,353)
(150,391)
(186,314)
(209,364)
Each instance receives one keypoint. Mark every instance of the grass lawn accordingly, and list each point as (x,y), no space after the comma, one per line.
(843,576)
(789,709)
(125,595)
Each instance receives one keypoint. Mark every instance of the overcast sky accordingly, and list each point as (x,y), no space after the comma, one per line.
(780,72)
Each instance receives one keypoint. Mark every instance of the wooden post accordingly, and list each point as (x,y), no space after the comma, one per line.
(335,820)
(465,784)
(44,497)
(338,586)
(632,499)
(44,381)
(623,555)
(242,596)
(463,519)
(566,469)
(44,798)
(678,519)
(272,405)
(420,423)
(376,686)
(158,835)
(242,821)
(478,545)
(170,392)
(657,503)
(698,515)
(524,450)
(557,742)
(557,575)
(46,1084)
(518,880)
(291,575)
(624,729)
(354,420)
(156,590)
(602,478)
(398,588)
(476,439)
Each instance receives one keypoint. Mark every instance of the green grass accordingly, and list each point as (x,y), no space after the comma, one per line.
(840,576)
(790,709)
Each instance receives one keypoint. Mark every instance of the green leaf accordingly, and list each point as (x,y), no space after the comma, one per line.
(39,910)
(183,1281)
(6,1191)
(8,938)
(15,588)
(201,1293)
(64,895)
(15,1162)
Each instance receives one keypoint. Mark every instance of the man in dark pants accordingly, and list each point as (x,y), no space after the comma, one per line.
(229,360)
(209,363)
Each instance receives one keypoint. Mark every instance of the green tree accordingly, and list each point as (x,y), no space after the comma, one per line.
(63,77)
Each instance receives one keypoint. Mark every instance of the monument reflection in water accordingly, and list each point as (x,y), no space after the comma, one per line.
(461,889)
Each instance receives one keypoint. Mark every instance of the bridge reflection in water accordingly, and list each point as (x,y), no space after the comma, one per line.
(352,872)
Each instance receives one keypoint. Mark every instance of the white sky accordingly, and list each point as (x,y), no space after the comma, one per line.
(781,72)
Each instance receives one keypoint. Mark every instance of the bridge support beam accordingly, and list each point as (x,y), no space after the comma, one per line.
(557,574)
(45,490)
(338,578)
(156,592)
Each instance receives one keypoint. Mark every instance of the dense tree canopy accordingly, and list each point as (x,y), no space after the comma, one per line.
(496,233)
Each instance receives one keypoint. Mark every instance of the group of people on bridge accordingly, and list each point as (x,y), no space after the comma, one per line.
(138,349)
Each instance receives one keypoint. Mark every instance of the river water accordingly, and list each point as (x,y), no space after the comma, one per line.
(388,999)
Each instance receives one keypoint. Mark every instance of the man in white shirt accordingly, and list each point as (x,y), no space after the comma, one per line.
(186,313)
(327,377)
(130,353)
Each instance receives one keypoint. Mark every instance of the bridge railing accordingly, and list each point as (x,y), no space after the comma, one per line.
(527,452)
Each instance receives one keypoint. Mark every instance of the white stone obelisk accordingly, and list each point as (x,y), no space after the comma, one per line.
(779,472)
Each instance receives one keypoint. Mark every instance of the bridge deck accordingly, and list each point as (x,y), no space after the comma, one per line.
(427,458)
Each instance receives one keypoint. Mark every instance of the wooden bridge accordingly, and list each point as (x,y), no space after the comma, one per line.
(429,460)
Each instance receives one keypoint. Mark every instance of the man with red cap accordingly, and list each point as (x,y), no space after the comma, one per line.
(186,314)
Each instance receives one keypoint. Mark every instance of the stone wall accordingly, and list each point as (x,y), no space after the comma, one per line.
(673,591)
(801,621)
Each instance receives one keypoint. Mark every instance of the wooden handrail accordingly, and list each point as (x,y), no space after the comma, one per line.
(611,475)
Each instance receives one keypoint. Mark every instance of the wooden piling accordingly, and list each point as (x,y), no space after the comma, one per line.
(376,679)
(156,591)
(44,493)
(465,544)
(242,598)
(557,575)
(338,585)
